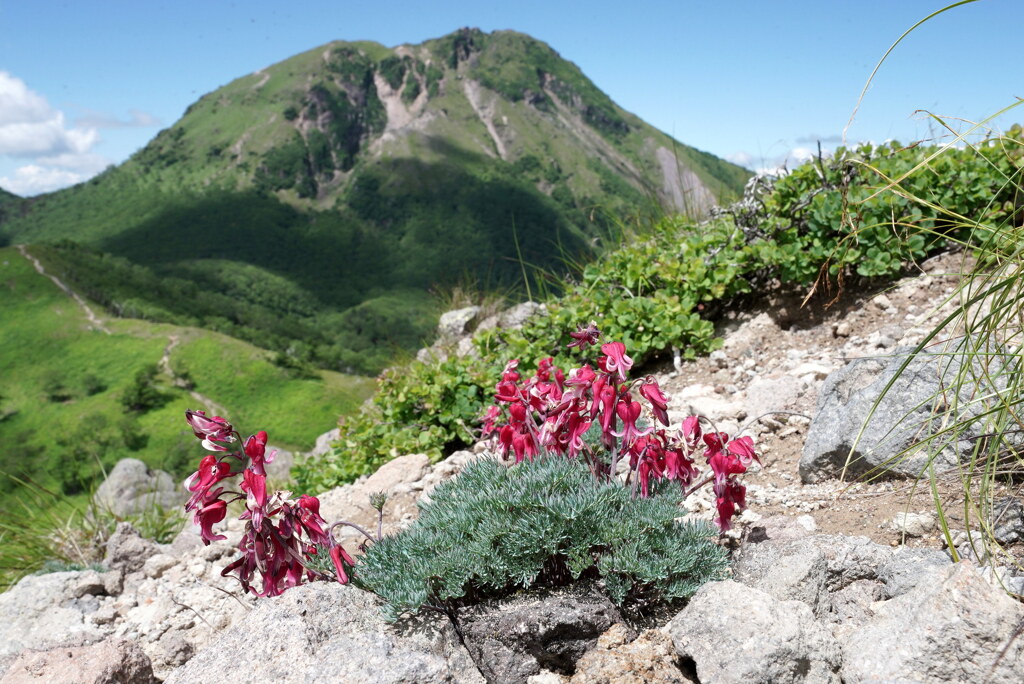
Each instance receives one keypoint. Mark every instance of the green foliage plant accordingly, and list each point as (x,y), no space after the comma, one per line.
(496,528)
(143,394)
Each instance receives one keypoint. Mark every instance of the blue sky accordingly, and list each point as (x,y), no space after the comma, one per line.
(85,84)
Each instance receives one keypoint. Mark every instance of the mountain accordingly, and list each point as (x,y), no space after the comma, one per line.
(312,206)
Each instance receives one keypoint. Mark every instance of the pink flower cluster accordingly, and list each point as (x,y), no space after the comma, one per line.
(281,535)
(552,412)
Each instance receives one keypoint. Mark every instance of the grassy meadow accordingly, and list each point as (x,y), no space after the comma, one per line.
(63,417)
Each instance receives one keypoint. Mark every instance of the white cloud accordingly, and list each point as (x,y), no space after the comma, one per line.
(30,127)
(139,119)
(88,162)
(744,159)
(799,155)
(834,139)
(55,155)
(33,179)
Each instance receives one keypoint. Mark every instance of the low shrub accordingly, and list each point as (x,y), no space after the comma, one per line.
(495,528)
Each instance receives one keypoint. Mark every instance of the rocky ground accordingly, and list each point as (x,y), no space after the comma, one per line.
(827,573)
(776,357)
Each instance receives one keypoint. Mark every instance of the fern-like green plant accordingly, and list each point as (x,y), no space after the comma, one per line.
(545,522)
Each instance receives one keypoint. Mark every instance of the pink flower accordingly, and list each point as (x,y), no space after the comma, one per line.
(743,448)
(584,336)
(211,471)
(309,516)
(256,449)
(490,418)
(208,516)
(650,391)
(730,497)
(339,558)
(691,431)
(679,467)
(215,428)
(629,410)
(255,486)
(617,361)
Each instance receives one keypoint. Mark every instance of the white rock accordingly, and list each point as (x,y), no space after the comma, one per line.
(913,524)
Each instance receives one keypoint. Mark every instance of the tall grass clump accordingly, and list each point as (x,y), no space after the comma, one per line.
(47,531)
(976,332)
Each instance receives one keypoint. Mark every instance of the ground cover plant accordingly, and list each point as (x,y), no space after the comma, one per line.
(561,511)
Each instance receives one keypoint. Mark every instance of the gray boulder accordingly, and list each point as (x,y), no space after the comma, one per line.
(912,409)
(127,550)
(955,627)
(734,633)
(836,576)
(520,313)
(515,638)
(454,324)
(325,632)
(132,488)
(113,661)
(1008,516)
(46,610)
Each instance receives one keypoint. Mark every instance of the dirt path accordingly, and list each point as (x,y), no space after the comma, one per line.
(165,366)
(264,77)
(94,320)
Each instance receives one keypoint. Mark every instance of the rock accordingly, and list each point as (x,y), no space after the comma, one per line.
(618,659)
(398,479)
(814,568)
(324,441)
(176,649)
(454,324)
(913,524)
(1009,520)
(520,313)
(767,394)
(901,419)
(735,633)
(781,528)
(325,632)
(907,567)
(41,611)
(465,347)
(956,627)
(806,569)
(132,488)
(402,469)
(127,550)
(700,399)
(514,638)
(88,582)
(156,565)
(882,302)
(113,661)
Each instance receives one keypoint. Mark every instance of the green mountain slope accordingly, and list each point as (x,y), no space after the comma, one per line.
(62,412)
(350,180)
